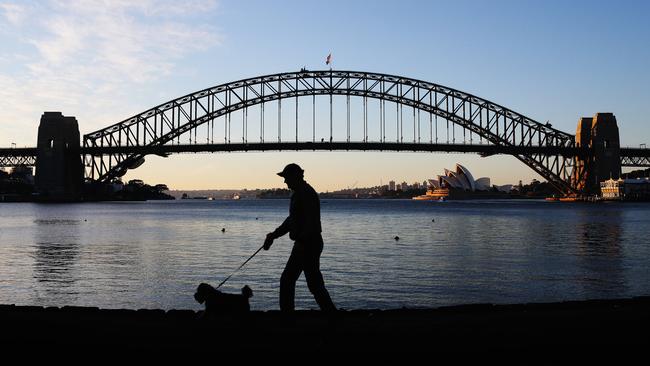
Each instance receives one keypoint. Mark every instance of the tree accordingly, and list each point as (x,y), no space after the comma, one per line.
(161,188)
(136,182)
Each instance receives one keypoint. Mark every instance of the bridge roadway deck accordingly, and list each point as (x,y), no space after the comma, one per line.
(527,333)
(18,151)
(638,156)
(336,146)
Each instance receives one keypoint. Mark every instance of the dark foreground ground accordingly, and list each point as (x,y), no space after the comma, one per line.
(584,330)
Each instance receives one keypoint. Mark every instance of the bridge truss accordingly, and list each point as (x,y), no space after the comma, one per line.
(385,99)
(635,157)
(15,157)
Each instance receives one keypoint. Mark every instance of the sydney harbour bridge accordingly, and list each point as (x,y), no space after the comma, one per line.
(326,110)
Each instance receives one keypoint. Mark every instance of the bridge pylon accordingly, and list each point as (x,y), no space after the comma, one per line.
(600,134)
(59,170)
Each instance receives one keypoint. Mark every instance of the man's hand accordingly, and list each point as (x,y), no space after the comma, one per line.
(269,241)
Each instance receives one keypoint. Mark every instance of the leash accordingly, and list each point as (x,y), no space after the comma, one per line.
(240,267)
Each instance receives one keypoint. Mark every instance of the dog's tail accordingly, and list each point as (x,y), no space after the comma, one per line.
(247,292)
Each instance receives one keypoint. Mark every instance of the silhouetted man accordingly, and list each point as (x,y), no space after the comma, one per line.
(303,226)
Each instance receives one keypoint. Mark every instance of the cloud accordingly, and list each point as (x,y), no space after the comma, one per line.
(88,56)
(14,13)
(129,39)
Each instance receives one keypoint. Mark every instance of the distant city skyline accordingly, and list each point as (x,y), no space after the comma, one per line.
(104,61)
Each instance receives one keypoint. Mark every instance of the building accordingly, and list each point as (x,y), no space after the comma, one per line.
(404,186)
(461,178)
(505,188)
(625,189)
(391,185)
(458,182)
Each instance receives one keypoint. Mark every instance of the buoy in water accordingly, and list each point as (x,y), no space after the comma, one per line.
(223,230)
(396,238)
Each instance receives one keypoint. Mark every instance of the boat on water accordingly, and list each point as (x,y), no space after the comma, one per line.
(453,194)
(437,194)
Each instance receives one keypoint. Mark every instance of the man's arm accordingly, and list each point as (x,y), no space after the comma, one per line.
(281,230)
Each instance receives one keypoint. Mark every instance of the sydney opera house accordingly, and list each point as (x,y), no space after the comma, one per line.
(455,184)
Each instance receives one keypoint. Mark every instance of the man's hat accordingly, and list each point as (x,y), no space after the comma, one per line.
(291,170)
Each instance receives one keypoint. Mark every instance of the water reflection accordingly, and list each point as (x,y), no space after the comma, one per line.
(601,237)
(599,253)
(56,252)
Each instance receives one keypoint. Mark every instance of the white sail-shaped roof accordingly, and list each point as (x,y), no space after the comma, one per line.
(483,183)
(469,179)
(450,179)
(450,182)
(461,180)
(434,183)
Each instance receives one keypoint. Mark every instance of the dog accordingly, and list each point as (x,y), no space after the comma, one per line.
(217,302)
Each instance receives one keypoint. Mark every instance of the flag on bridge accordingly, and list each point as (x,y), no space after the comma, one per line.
(328,61)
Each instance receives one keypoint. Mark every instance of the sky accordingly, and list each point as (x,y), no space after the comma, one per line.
(104,61)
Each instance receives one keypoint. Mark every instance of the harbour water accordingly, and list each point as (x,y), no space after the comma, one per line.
(154,254)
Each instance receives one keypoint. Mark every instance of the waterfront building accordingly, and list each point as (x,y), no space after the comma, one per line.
(612,189)
(625,189)
(505,188)
(391,185)
(461,178)
(404,186)
(459,181)
(484,183)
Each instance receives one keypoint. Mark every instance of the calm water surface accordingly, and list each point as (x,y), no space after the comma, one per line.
(154,254)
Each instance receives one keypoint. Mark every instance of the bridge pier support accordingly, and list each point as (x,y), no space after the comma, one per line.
(600,133)
(59,170)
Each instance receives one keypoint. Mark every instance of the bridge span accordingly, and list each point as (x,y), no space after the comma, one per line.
(330,111)
(630,157)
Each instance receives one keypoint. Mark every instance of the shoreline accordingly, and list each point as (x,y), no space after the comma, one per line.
(545,329)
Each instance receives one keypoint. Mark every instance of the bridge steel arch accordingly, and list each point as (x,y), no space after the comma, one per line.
(165,123)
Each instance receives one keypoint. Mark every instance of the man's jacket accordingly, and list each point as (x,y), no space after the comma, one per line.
(303,222)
